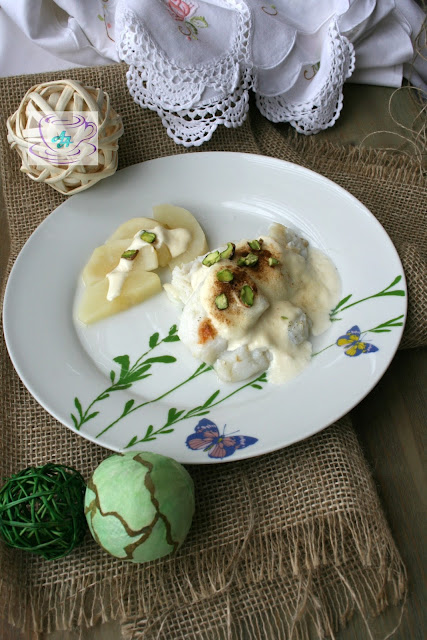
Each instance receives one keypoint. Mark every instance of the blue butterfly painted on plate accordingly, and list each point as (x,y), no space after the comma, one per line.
(208,438)
(353,345)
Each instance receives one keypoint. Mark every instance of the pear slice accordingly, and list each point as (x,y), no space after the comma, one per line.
(138,286)
(106,257)
(174,217)
(163,255)
(130,227)
(128,230)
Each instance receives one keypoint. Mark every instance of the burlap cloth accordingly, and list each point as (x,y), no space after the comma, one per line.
(290,544)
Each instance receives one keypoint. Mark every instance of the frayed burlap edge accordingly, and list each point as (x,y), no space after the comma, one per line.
(324,156)
(356,160)
(325,596)
(306,552)
(321,610)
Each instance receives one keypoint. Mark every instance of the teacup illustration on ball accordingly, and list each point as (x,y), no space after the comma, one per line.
(65,139)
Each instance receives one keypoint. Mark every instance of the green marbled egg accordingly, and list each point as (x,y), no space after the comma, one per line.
(139,505)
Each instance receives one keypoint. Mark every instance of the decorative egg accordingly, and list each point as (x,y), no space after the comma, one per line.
(139,505)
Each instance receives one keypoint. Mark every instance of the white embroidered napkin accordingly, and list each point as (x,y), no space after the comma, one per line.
(194,61)
(189,62)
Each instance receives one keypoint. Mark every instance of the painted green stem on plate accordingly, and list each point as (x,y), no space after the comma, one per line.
(384,292)
(140,370)
(322,350)
(130,408)
(127,376)
(175,416)
(385,327)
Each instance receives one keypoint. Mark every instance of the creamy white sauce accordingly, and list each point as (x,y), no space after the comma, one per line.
(287,308)
(315,287)
(312,287)
(176,240)
(271,332)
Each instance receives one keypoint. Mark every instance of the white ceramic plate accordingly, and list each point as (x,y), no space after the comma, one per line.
(73,370)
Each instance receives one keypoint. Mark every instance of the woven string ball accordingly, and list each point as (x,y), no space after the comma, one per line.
(42,510)
(57,97)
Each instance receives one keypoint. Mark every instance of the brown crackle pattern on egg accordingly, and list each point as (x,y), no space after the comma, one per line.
(145,531)
(151,488)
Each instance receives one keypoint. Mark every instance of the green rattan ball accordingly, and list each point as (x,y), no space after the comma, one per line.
(41,510)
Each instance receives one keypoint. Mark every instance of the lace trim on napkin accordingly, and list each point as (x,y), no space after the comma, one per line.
(191,102)
(323,110)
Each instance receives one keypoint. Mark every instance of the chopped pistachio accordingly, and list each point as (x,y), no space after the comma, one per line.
(147,236)
(211,258)
(221,301)
(251,259)
(255,244)
(248,261)
(130,254)
(247,295)
(225,275)
(273,262)
(284,317)
(228,253)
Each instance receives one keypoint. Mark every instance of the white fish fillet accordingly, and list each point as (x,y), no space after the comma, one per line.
(230,339)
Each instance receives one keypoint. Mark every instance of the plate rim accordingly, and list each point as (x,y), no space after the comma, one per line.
(183,157)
